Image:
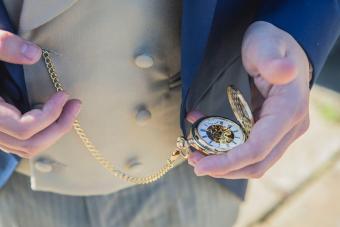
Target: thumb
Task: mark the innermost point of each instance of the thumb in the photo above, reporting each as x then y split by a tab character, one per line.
16	50
266	53
277	70
193	116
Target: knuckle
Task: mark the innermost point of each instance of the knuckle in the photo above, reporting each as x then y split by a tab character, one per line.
65	127
301	111
20	154
30	148
25	155
305	125
256	151
306	128
256	173
52	111
23	132
256	156
303	128
5	40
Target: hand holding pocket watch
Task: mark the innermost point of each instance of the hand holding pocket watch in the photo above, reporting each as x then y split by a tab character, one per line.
281	73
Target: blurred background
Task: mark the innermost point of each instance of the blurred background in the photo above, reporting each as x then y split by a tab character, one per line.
303	188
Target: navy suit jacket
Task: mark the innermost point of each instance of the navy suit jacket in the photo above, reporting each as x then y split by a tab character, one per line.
315	24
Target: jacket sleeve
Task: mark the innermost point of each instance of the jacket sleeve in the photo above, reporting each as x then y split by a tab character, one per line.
314	24
8	162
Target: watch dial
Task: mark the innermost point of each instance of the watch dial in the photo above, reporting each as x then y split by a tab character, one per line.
220	134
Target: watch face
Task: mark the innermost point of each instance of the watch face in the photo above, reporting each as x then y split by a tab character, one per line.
219	134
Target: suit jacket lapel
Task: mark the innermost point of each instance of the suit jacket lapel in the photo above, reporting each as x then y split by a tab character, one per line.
196	23
14	70
35	13
222	49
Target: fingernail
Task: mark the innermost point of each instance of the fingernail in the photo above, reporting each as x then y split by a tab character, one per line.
79	101
78	106
65	96
30	51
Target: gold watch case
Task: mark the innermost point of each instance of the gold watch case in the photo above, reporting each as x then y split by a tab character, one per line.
216	134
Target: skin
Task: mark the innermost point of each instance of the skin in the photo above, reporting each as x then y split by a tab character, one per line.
280	70
30	133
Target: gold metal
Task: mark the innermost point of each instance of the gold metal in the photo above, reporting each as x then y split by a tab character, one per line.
181	151
241	109
220	134
215	132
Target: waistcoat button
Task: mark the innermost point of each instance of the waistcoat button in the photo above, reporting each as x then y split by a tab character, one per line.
133	164
43	165
144	61
143	115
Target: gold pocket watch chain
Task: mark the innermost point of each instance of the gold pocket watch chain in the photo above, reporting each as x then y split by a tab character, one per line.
181	149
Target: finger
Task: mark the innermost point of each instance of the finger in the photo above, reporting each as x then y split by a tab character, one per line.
278	71
48	136
194	157
259	169
32	122
7	111
267	54
16	50
193	116
266	133
8	150
280	112
53	133
274	65
36	120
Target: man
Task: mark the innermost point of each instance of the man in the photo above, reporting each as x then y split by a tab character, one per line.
123	64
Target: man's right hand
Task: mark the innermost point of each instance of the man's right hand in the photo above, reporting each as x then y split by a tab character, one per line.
28	134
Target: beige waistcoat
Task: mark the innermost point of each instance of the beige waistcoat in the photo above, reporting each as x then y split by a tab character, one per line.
117	57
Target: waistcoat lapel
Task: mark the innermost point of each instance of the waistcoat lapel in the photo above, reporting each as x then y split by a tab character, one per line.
38	12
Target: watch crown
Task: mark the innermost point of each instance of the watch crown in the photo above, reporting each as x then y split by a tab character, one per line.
181	142
182	147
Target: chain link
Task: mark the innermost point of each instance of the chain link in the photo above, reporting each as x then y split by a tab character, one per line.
97	155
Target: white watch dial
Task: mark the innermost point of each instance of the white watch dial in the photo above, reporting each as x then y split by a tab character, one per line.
220	134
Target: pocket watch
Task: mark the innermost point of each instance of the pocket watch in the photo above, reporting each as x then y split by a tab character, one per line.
215	134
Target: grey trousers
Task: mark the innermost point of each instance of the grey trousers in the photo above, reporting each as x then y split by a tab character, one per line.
178	199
